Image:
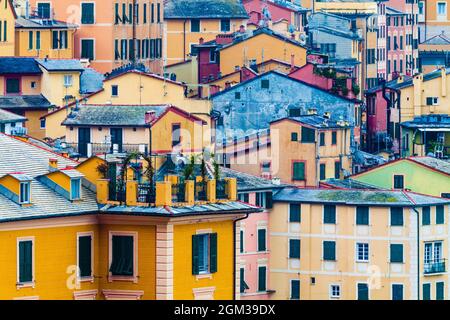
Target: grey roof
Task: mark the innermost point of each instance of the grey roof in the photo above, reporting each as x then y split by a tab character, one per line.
318	122
208	9
394	12
439	39
112	115
409	82
91	81
20	176
24	102
33	162
22	22
438	164
357	197
8	117
61	64
71	173
350	184
204	209
248	182
432	121
16	65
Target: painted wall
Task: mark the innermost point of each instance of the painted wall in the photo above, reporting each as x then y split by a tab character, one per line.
7	16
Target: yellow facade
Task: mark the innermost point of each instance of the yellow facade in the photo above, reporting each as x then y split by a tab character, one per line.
53	88
7	18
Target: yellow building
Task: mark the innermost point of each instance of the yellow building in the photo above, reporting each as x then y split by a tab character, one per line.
185	23
358	244
133	87
7	18
58	244
38	38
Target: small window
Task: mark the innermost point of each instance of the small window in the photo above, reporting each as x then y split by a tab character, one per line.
24	192
68	81
261	240
333	137
12	85
329	214
426	217
265	84
25	261
294	212
195	25
362	215
176	134
362	252
85	256
396	216
335	291
87	13
294	136
308	135
212	55
298	171
445	195
44	10
33	85
75	189
42	123
440	215
322	139
323	169
122	260
237	95
396	253
399	182
295	289
329	250
262	278
115	90
204	253
294	248
225	25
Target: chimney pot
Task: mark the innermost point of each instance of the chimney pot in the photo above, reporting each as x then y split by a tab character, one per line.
53	164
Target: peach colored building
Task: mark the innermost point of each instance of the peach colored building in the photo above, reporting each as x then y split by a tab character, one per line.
107	29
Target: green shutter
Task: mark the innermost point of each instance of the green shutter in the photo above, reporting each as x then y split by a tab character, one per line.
440	214
362	215
261	278
363	291
299	171
397	253
396	216
30	40
329	250
269	200
261	239
337	170
397	292
440	291
241	244
294	212
425	216
322	171
25	261
213	252
195	253
294	248
426	291
308	135
84	256
329	214
295	289
55	40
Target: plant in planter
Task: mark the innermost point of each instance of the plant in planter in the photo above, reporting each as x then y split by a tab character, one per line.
103	170
355	88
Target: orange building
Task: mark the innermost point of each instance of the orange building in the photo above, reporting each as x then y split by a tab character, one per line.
7	17
107	29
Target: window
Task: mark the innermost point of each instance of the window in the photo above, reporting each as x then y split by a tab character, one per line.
87	13
42	123
432	257
176	134
262	270
333	137
294	212
329	250
24	192
237	95
362	215
426	216
124	49
294	136
115	90
212	55
195	25
295	289
145	13
87	49
370	56
243	197
244	285
441	10
432	101
396	253
225	25
30	40
12	85
322	139
396	216
85	256
265	84
298	171
44	10
204	253
25	261
397	292
399	181
261	199
426	291
329	214
75	189
335	291
262	240
445	195
158	11
294	248
122	262
440	291
363	291
68	80
308	135
362	252
241	244
439	214
322	171
38	40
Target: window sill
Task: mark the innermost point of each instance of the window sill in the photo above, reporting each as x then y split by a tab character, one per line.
86	279
362	261
203	276
21	285
112	278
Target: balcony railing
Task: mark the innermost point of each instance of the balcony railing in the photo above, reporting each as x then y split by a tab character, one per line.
117	192
200	191
434	266
221	189
179	192
146	193
89	149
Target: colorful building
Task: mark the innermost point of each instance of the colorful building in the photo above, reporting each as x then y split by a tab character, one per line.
433	18
65	237
11	123
7	39
186	23
358	245
425	175
433	53
111	33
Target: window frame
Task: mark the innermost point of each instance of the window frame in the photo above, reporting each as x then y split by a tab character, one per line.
323	251
368	216
199	26
93	47
79	192
299	248
323	214
93	12
364	253
33	262
332	295
390	253
265	239
304	170
28	188
299	213
394	176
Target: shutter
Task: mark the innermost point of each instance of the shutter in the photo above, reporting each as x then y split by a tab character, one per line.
261	278
269	200
363	291
241	244
294	248
84	256
55	40
299	171
426	289
294	213
329	214
439	214
425	216
396	253
329	250
439	290
396	216
429	101
213	252
128	251
295	289
397	292
362	215
195	253
116	254
261	239
322	171
25	261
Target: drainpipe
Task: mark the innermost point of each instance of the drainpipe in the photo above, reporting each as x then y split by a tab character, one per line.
234	254
418	253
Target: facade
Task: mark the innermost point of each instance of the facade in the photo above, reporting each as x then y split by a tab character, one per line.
7	38
424	175
358	245
11	123
186	23
433	18
433	53
111	33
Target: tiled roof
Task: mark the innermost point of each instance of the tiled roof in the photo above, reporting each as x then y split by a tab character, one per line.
349	184
8	117
112	115
16	65
439	39
61	64
33	162
357	197
394	12
91	81
37	24
432	121
248	182
409	82
438	164
316	121
24	102
180	9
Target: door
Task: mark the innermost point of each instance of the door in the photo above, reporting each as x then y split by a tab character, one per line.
116	138
84	137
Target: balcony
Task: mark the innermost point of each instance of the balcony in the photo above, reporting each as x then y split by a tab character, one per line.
86	150
434	266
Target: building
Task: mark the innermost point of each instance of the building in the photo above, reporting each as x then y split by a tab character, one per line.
358	245
97	129
299	150
111	33
186	22
66	237
425	175
7	39
433	18
11	123
433	53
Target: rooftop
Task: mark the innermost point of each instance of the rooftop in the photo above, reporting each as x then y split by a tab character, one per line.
24	102
8	117
16	65
348	184
438	164
429	122
248	182
206	9
316	121
61	64
439	39
22	22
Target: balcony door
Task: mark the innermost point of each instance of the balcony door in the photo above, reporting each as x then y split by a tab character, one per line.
84	137
116	138
433	261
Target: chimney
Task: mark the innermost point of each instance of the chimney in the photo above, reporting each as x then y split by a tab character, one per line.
52	164
241	28
417	84
327	115
312	111
292	36
201	40
276	181
150	116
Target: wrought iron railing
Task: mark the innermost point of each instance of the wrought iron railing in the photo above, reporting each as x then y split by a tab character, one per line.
117	192
221	189
146	193
200	191
179	192
434	266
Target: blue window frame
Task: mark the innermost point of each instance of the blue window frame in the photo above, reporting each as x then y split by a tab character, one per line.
75	189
